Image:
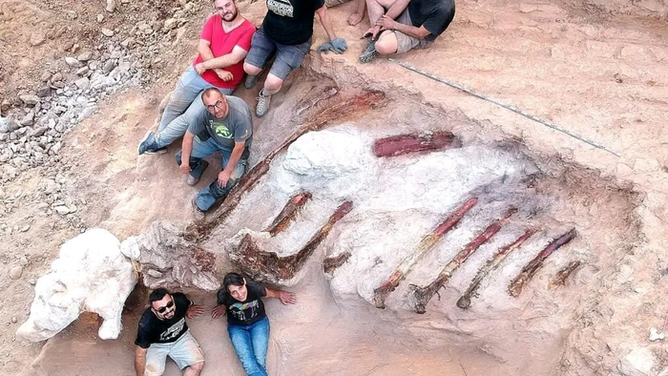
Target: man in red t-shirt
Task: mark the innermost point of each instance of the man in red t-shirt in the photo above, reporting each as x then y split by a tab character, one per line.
224	42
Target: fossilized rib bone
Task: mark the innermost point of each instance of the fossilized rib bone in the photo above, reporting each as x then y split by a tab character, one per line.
490	265
330	264
515	287
559	279
269	266
422	295
200	230
427	242
288	213
411	143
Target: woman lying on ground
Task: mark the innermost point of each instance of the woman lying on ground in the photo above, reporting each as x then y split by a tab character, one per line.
247	323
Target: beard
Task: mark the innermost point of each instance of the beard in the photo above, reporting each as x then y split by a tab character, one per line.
230	16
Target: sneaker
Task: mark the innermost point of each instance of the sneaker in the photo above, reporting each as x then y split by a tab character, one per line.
250	81
199	214
369	52
148	145
262	104
192	180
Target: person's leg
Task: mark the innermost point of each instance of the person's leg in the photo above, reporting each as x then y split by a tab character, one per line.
376	9
288	58
243	346
155	359
261	49
391	42
260	338
208	196
201	149
187	354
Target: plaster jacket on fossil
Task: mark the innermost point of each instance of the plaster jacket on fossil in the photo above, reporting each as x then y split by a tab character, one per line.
91	274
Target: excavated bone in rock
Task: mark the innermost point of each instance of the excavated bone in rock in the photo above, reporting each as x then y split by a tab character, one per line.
411	143
562	275
288	213
491	264
427	243
330	264
515	287
420	296
91	274
267	266
167	260
344	109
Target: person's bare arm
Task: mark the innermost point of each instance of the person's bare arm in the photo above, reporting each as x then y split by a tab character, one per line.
140	360
388	23
204	49
286	297
224	175
326	22
397	8
226	60
186	150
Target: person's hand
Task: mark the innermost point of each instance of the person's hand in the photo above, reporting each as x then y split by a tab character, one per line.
199	68
224	75
287	297
223	177
194	310
386	23
372	32
355	18
185	168
218	311
337	45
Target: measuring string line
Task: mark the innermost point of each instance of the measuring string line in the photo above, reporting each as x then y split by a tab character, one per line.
508	107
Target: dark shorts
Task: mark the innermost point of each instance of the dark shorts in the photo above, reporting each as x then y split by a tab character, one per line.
288	58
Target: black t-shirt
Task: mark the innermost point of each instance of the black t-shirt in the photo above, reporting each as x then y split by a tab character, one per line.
290	22
247	312
153	330
434	15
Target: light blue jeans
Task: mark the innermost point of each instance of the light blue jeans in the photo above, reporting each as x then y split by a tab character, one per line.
250	343
202	149
185	103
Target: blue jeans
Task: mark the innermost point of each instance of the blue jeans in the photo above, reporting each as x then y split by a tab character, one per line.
250	343
185	103
202	149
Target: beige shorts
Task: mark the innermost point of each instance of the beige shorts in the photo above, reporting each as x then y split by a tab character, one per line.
184	352
406	42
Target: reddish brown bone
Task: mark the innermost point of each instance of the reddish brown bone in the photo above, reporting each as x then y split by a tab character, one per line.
515	287
490	265
559	279
412	143
200	230
422	295
270	266
330	264
288	213
427	242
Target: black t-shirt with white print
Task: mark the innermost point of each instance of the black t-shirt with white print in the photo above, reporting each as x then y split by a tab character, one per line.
434	15
247	312
153	330
290	22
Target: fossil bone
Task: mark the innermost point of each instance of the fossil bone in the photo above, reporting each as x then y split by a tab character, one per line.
330	264
411	143
427	243
515	287
491	264
422	295
288	213
559	279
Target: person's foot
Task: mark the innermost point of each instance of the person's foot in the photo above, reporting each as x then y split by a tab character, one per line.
148	145
192	180
369	52
199	214
263	101
250	81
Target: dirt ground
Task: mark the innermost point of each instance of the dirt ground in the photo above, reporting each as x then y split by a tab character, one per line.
594	67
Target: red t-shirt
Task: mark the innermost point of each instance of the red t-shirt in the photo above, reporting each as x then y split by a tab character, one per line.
223	43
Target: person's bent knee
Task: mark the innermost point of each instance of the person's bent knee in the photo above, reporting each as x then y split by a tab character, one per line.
197	367
273	83
251	69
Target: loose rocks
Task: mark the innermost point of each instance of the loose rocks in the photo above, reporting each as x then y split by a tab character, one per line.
15	272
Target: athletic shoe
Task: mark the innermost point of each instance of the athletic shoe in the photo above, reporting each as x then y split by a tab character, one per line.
262	104
192	180
250	81
148	145
369	52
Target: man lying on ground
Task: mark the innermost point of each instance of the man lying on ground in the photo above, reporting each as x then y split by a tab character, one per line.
224	43
226	126
398	26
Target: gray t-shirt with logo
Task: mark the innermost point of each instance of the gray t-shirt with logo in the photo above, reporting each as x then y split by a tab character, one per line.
237	126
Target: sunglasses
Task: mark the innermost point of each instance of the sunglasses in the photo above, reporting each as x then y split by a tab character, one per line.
165	307
212	107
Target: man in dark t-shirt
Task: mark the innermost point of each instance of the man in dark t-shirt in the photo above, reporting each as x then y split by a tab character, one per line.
398	26
225	126
286	30
163	332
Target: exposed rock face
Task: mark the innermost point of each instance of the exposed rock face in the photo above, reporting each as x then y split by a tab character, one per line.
169	261
91	274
